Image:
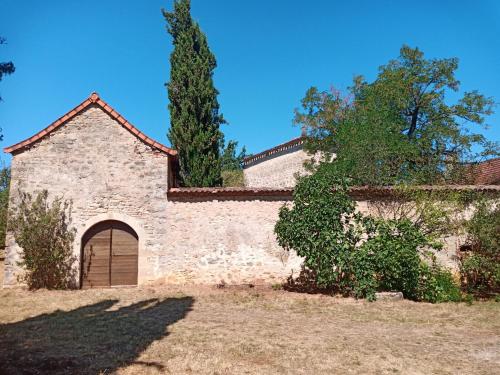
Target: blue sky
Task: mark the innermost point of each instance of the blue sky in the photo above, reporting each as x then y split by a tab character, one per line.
268	53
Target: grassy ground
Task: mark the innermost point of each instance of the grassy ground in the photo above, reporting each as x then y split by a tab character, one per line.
151	330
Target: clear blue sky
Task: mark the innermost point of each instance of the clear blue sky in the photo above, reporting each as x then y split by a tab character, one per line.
268	53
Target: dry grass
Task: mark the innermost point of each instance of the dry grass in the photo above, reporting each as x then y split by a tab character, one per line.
151	330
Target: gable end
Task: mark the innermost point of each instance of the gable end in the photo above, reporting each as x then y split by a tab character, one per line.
92	99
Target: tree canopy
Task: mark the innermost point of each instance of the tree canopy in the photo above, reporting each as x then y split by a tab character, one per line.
194	109
232	160
400	128
6	68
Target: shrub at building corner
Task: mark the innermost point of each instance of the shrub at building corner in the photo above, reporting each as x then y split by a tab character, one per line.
357	255
42	230
4	200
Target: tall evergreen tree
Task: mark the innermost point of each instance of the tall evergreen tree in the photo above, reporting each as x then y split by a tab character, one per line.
194	109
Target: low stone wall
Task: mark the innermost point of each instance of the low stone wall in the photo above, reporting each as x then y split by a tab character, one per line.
227	235
225	240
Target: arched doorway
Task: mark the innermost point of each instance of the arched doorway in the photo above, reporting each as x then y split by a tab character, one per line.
109	255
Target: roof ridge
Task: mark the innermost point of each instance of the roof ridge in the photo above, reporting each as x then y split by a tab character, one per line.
94	98
274	150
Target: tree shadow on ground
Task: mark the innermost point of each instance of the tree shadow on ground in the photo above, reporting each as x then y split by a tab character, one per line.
88	340
305	282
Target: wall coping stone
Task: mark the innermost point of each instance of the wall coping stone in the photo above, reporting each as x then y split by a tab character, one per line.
364	192
272	151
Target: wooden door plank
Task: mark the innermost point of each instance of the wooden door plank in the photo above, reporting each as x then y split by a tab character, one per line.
124	257
96	258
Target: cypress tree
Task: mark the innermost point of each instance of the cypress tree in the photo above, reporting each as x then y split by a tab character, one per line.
194	109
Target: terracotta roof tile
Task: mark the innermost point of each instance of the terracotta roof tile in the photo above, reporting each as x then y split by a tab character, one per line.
229	192
360	192
487	172
92	99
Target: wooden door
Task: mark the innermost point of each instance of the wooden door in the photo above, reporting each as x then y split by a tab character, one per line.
109	255
96	258
124	246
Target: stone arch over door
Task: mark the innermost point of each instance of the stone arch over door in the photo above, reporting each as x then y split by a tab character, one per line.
135	223
109	255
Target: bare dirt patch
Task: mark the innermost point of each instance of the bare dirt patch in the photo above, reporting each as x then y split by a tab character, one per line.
152	330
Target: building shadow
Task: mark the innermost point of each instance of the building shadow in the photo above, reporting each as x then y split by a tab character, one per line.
88	340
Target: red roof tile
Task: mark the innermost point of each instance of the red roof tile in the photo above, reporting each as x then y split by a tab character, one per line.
487	172
229	192
92	99
359	192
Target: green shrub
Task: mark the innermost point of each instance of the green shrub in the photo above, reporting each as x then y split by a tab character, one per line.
437	284
389	260
4	203
233	178
43	232
355	255
321	227
480	274
480	267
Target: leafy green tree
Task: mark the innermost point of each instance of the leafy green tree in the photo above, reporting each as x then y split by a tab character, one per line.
194	109
399	128
6	68
231	159
4	203
321	227
43	230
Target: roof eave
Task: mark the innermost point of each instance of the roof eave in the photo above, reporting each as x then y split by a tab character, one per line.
92	99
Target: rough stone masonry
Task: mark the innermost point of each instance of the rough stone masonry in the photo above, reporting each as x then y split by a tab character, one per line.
110	171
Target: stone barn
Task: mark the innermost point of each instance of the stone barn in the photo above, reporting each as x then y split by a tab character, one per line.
130	228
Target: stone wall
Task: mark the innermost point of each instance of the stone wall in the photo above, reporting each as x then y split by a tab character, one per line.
277	170
228	240
196	236
224	238
108	173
